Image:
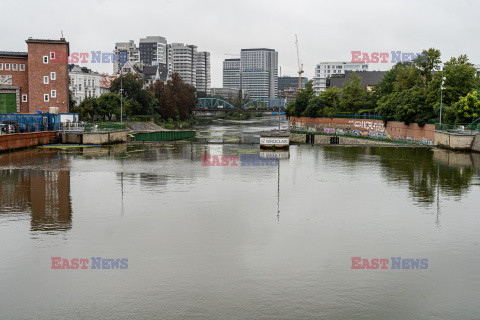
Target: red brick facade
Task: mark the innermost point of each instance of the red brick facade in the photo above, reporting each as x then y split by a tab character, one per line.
18	70
30	81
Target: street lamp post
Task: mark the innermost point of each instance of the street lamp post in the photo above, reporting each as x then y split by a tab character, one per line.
441	98
121	97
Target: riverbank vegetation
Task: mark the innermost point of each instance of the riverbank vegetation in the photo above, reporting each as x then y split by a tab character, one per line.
409	92
171	102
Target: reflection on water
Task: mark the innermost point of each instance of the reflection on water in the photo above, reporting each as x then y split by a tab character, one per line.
44	194
422	169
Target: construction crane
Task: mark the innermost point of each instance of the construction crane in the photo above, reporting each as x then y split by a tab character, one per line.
300	65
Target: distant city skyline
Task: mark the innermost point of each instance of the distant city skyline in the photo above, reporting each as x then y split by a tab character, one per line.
375	26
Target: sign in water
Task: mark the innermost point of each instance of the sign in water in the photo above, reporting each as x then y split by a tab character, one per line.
274	141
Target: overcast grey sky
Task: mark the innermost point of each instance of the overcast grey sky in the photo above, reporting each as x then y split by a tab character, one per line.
327	30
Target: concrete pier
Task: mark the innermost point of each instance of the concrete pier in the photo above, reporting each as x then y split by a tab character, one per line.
94	137
457	141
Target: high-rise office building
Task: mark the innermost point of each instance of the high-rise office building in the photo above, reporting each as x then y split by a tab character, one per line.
255	71
259	72
181	60
153	50
231	73
325	70
202	71
125	51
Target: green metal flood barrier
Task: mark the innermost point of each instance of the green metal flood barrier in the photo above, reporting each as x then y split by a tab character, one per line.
165	136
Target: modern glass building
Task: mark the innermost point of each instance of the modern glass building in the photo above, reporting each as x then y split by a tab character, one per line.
255	71
259	72
231	73
153	50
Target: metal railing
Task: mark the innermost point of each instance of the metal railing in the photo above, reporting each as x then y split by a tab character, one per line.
469	128
90	127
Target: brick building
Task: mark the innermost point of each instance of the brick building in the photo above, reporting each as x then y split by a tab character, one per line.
36	80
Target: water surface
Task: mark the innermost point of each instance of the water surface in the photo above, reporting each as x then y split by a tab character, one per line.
239	242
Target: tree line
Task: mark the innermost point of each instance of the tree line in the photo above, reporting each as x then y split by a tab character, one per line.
409	92
173	99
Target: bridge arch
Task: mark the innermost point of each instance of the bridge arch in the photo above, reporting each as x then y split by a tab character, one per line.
214	104
265	104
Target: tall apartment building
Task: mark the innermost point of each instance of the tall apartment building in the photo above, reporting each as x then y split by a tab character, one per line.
257	73
202	71
181	60
153	50
231	73
36	80
125	51
325	70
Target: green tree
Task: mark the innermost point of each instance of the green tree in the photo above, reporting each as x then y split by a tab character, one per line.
71	102
176	99
86	108
133	89
107	106
314	108
428	62
468	108
353	96
331	96
460	79
300	104
402	94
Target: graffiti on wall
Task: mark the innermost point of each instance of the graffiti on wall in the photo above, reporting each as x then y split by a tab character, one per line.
357	127
369	125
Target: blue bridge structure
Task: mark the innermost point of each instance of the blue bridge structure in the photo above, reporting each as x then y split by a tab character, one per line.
262	104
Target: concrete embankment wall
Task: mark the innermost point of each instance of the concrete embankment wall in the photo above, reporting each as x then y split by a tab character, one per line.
373	128
325	140
94	137
476	143
25	140
456	141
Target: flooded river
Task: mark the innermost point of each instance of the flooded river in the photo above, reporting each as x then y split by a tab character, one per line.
267	239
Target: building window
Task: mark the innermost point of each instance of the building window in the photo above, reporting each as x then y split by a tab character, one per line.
45	97
1	66
54	93
22	67
45	59
45	80
24	98
52	55
14	67
53	76
7	66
